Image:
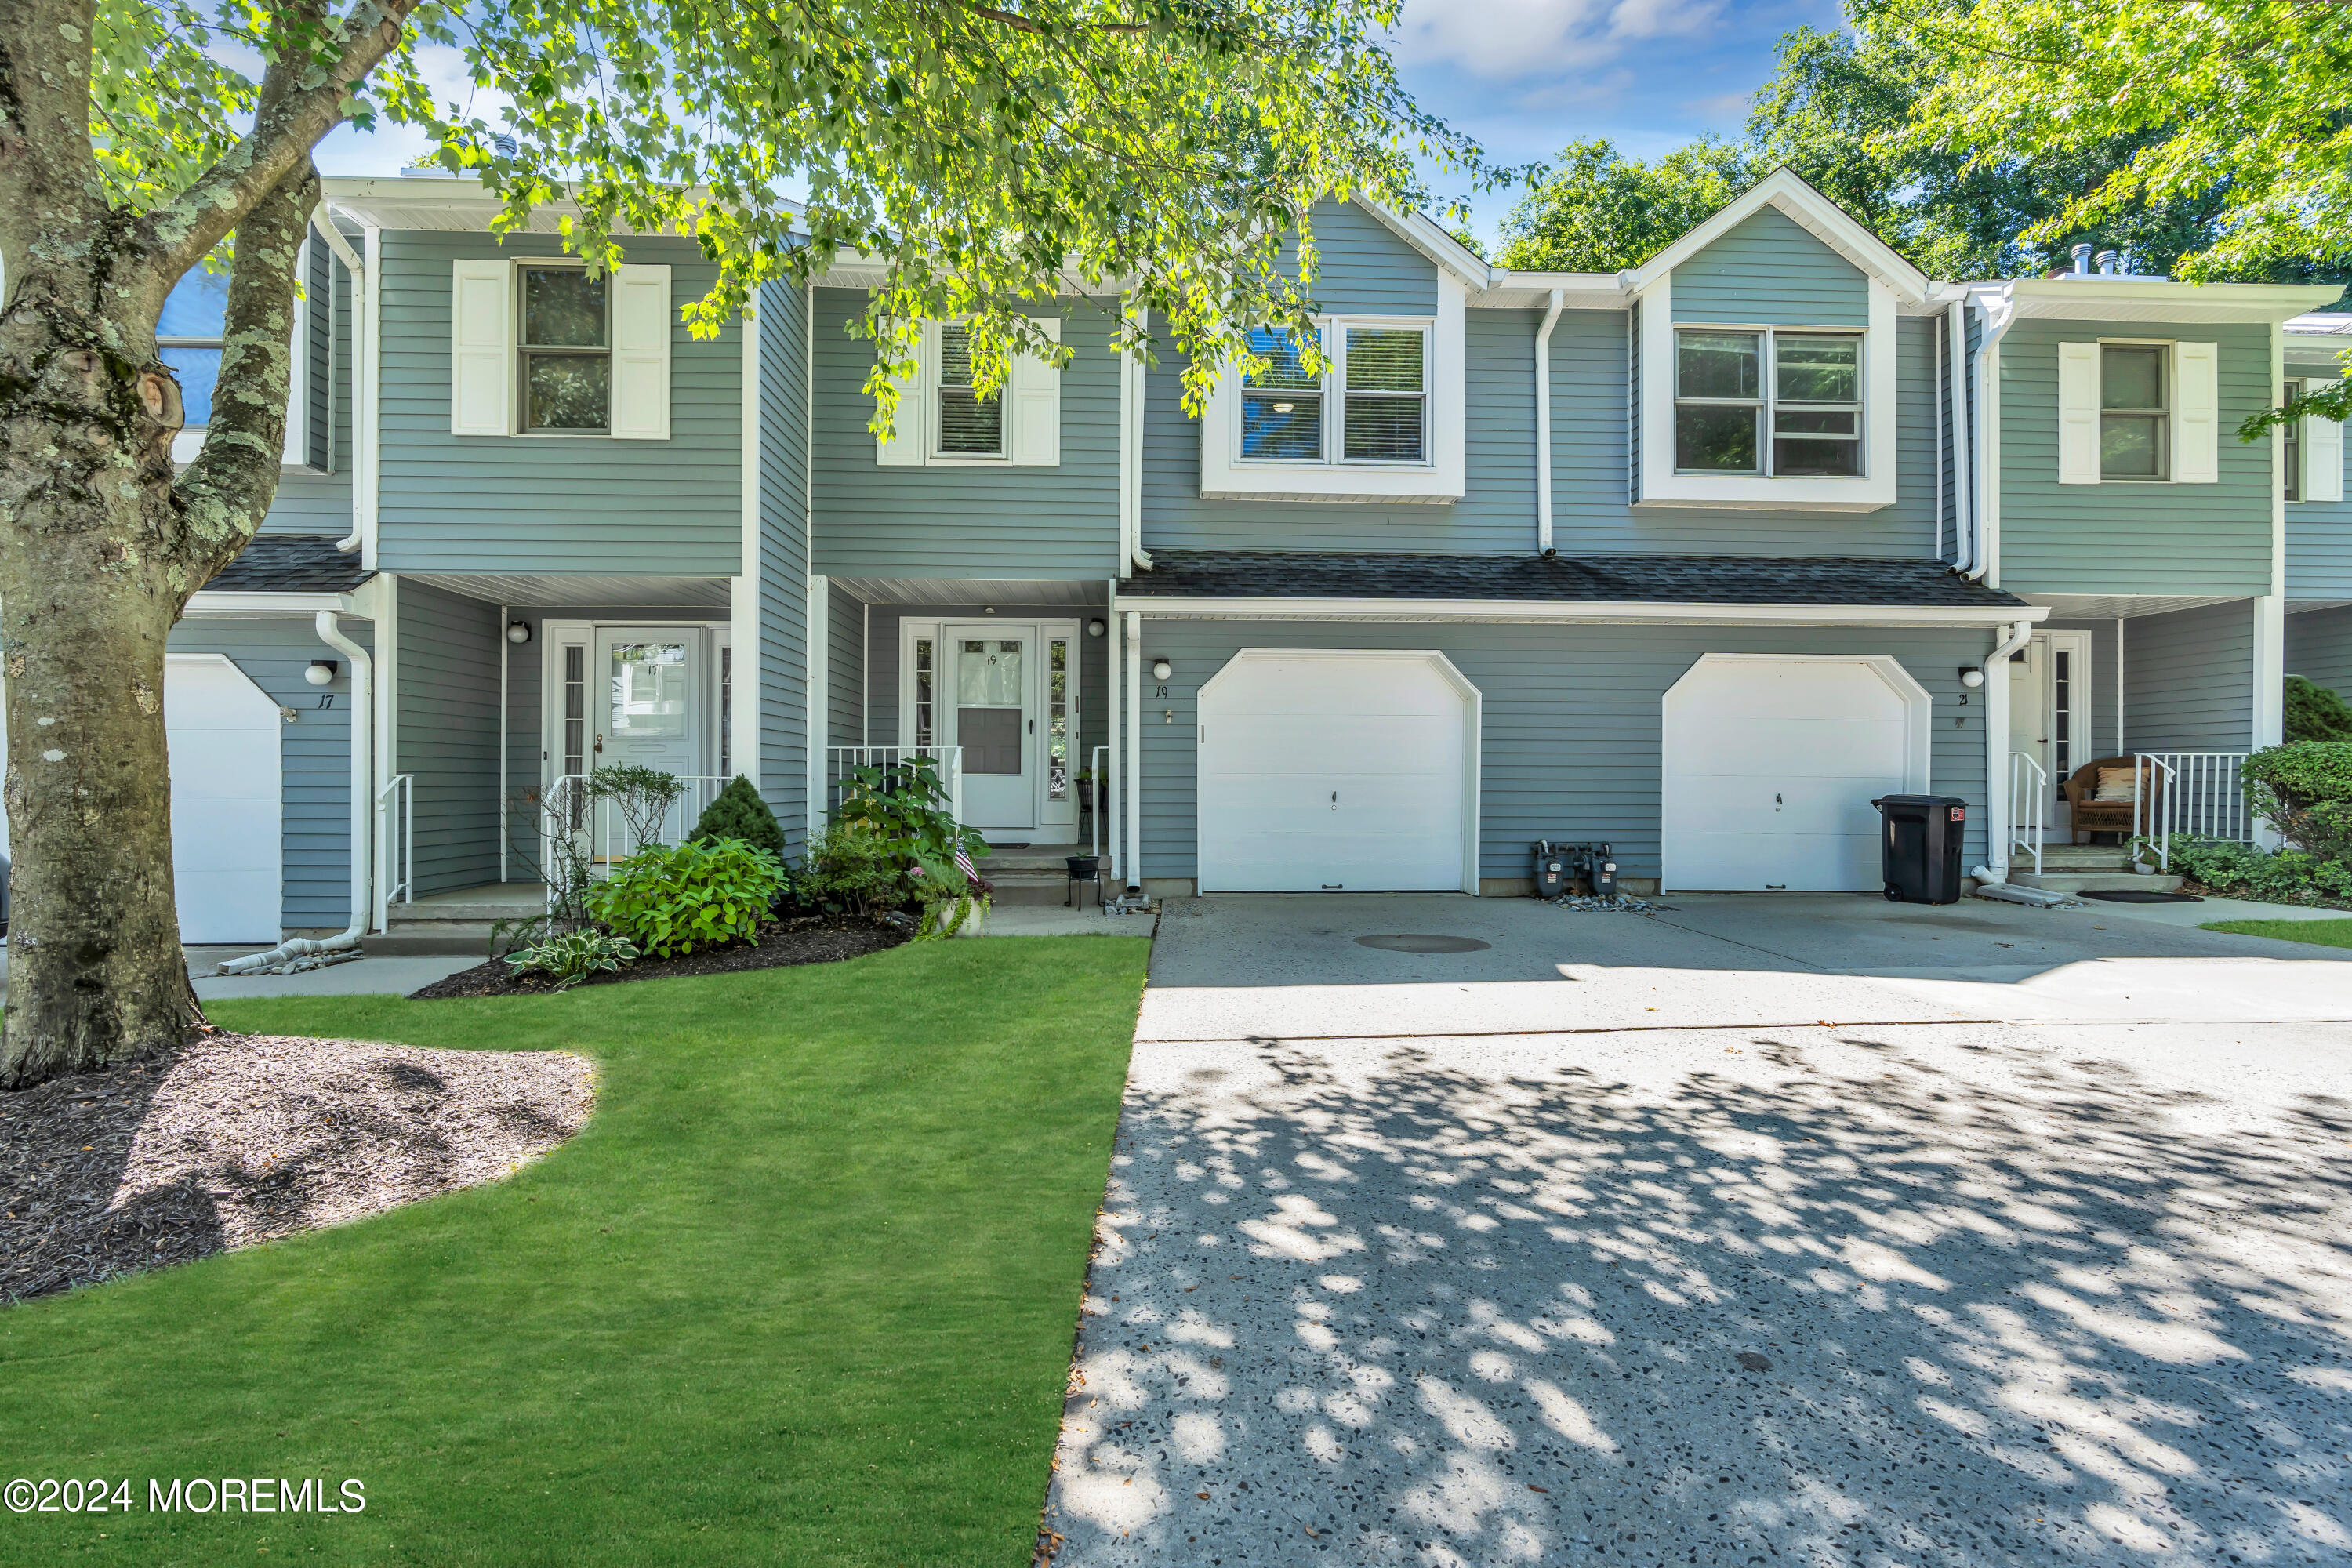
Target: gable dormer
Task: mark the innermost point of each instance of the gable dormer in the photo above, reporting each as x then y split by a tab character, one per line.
1763	349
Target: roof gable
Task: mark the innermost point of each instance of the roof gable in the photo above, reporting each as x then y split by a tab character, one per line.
1808	209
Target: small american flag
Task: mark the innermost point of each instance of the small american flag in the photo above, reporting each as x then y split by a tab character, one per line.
964	863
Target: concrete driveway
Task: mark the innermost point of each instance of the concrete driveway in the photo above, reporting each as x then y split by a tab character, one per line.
1771	1230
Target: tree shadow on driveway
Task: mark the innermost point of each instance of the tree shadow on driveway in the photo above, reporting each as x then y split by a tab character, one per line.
1813	1297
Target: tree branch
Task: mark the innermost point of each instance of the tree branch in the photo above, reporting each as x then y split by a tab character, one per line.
1022	24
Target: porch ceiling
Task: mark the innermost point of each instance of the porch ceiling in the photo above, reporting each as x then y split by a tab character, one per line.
2122	606
556	591
1053	593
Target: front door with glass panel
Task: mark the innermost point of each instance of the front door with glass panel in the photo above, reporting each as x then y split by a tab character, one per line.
990	675
647	697
2049	678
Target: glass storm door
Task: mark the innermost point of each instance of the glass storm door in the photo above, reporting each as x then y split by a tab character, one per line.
991	677
644	699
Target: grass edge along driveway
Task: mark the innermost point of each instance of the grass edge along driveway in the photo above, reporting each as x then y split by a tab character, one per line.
2319	934
802	1292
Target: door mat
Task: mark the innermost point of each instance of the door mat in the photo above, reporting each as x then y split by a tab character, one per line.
2134	896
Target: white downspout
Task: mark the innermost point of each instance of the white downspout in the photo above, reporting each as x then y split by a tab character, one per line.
1996	694
1543	423
1984	403
363	815
505	647
1113	758
1134	802
1132	390
1956	317
324	223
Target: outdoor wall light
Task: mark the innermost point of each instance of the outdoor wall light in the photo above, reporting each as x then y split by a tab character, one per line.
517	632
1161	669
1971	677
321	673
1095	627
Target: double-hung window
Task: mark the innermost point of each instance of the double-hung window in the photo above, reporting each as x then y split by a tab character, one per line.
566	349
969	425
1781	403
2291	465
1371	407
188	339
2134	411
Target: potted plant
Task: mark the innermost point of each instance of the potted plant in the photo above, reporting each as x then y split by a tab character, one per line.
2144	854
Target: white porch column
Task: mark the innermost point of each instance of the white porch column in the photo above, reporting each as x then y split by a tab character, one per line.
1135	751
1996	711
748	668
820	635
2270	688
1113	758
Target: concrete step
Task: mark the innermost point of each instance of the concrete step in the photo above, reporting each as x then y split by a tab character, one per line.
1036	858
2081	857
416	939
2093	881
1035	889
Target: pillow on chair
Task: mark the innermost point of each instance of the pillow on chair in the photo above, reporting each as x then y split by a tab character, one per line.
2115	785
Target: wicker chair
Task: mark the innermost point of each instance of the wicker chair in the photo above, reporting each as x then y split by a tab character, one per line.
2122	816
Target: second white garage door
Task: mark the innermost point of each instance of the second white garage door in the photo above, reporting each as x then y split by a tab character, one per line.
1770	764
1337	770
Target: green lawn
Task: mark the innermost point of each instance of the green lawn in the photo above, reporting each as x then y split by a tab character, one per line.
803	1292
2322	933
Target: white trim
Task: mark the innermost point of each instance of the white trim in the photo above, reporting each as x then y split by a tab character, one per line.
2082	647
1037	703
2120	747
1226	475
367	419
743	588
1811	210
1474	738
1114	758
1135	751
1874	490
819	694
2269	715
1558	611
230	602
2278	466
2109	297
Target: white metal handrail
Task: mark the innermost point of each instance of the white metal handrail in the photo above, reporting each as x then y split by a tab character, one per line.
2197	794
2029	804
1097	800
395	838
603	830
840	762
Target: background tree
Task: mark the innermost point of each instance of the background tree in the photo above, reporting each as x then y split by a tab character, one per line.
985	155
1597	210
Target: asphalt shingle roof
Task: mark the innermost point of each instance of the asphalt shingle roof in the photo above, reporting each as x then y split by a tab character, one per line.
1593	579
292	563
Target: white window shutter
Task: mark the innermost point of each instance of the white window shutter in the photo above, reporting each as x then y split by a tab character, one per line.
911	437
2323	454
298	383
2078	413
481	348
1033	405
2197	429
641	331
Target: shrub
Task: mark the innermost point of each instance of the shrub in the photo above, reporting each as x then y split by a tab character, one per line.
2303	789
2247	871
2316	713
906	807
567	960
672	899
643	794
852	868
738	812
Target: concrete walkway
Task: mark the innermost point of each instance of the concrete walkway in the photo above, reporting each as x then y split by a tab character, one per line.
1675	1273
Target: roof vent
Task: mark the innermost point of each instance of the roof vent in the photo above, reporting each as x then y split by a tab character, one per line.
2110	265
2082	260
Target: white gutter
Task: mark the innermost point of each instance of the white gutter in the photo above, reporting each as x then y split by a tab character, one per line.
363	845
1543	421
367	406
341	247
1134	791
1573	612
1984	406
1996	706
1956	318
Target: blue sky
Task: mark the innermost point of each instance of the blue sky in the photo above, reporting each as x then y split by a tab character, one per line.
1524	77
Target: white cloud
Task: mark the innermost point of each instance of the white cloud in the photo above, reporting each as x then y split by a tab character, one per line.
1508	39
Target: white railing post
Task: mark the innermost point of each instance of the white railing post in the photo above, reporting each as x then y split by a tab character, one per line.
396	840
2200	793
1096	799
2029	785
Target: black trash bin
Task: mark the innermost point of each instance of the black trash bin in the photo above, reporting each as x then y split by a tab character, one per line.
1920	844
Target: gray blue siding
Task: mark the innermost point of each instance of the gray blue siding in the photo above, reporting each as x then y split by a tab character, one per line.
1770	270
2319	648
447	734
2125	538
2319	538
2188	679
322	502
845	671
1571	715
315	753
1363	267
964	521
783	739
553	503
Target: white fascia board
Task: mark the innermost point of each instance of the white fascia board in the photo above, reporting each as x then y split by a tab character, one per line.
459	203
248	604
2099	298
1553	612
1828	222
1532	291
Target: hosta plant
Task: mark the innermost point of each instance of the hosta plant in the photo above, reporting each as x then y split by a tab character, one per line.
673	899
569	959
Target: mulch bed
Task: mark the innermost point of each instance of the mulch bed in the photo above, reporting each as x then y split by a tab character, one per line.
237	1138
811	938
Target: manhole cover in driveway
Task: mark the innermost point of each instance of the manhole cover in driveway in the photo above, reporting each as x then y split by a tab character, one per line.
1425	943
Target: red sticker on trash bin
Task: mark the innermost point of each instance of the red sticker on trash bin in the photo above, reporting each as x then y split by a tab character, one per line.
1959	814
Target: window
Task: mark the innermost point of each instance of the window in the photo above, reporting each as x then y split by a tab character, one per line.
924	658
188	339
1809	403
567	357
1058	719
2291	465
726	710
2062	721
1282	407
970	426
1382	377
2135	421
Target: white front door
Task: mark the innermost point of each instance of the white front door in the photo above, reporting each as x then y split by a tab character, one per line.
648	691
2049	712
992	678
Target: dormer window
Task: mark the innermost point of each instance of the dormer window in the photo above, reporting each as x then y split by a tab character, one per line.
1282	405
1378	388
1804	388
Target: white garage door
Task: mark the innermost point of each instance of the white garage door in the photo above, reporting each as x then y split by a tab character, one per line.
1336	771
227	853
1770	765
